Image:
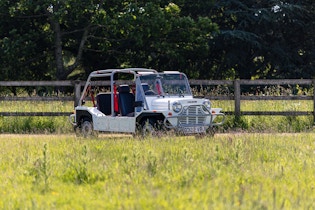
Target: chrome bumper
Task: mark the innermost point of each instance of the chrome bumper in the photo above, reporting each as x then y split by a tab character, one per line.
194	123
72	120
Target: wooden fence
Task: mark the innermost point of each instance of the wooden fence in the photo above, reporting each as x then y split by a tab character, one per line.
235	85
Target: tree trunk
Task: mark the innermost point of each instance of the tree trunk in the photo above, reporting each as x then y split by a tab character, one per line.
79	53
58	52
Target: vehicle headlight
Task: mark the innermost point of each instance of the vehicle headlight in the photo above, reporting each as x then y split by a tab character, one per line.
177	107
207	104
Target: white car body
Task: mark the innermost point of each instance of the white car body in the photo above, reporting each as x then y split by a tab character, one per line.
159	101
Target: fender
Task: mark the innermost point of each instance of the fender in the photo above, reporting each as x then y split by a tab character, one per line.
80	114
146	115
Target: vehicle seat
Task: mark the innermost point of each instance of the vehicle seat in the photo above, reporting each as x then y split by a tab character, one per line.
126	101
104	103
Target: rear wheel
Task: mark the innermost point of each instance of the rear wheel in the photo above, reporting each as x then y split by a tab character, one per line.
148	128
152	127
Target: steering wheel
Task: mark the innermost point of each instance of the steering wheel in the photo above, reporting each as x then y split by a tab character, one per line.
149	93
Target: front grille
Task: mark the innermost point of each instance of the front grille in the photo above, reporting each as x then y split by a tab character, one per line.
193	110
192	115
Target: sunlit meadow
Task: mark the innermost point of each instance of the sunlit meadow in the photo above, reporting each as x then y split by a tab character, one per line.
44	166
246	123
228	171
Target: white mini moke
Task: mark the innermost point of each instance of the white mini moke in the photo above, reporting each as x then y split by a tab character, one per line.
142	102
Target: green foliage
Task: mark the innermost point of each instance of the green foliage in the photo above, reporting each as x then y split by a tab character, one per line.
33	125
57	39
41	172
152	164
229	171
264	39
291	124
78	171
267	123
206	39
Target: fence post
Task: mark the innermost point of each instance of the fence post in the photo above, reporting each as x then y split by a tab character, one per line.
313	82
237	98
77	92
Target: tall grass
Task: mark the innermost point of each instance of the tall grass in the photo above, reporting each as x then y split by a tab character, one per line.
229	171
265	123
35	124
247	123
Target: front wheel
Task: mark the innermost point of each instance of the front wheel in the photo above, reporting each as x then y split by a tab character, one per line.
210	131
86	129
209	134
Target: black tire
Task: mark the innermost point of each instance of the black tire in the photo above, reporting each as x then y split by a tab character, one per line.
200	136
210	132
86	128
148	128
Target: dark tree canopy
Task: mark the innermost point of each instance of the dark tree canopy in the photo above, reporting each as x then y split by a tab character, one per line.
265	39
51	39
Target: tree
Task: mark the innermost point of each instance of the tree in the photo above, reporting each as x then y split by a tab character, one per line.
71	22
264	39
164	37
44	38
51	39
71	35
24	48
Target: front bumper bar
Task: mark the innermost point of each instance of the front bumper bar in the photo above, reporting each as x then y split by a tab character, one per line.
194	128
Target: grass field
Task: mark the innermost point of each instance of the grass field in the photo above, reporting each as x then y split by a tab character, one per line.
61	125
228	171
35	124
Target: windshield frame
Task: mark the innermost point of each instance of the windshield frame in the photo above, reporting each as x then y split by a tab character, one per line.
165	84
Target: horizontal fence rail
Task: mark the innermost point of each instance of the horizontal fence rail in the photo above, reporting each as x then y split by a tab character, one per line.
34	114
235	95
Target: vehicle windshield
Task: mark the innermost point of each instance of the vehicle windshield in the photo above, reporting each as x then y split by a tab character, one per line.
165	84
